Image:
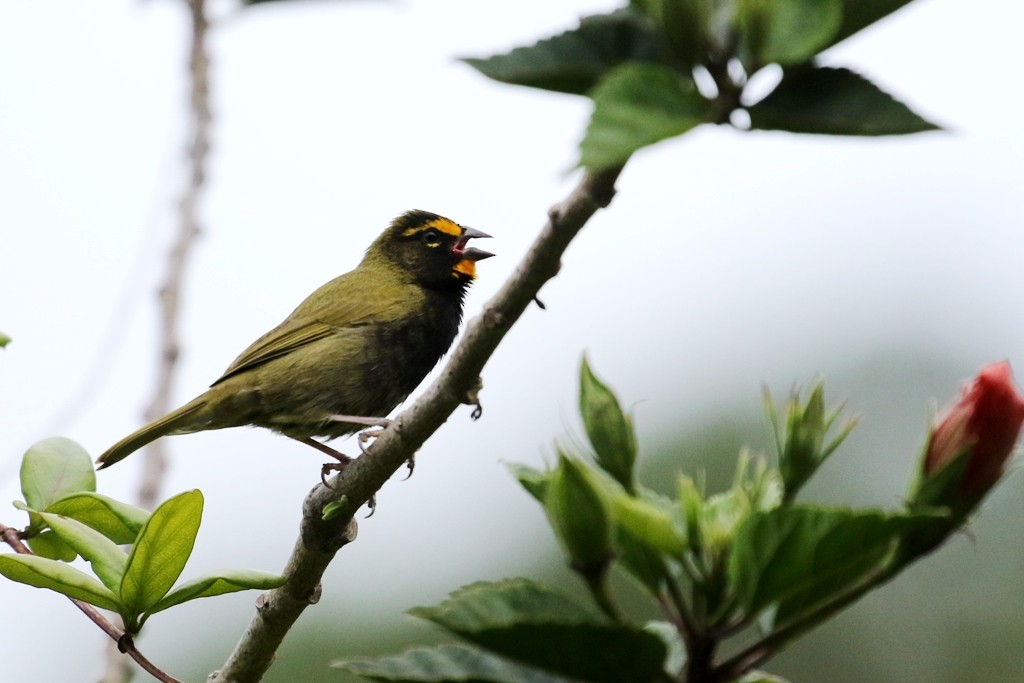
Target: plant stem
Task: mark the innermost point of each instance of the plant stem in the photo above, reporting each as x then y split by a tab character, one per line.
598	585
12	538
776	641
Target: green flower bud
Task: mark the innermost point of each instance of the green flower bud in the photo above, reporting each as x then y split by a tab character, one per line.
580	517
609	429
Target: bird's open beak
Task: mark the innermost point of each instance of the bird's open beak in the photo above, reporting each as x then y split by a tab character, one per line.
472	253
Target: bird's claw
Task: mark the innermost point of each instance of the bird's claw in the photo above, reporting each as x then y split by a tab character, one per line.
368	435
411	464
472	398
329	467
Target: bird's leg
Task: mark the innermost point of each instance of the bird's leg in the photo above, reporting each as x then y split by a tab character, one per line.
342	459
381	422
365	436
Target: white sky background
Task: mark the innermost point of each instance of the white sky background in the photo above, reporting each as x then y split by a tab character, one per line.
725	261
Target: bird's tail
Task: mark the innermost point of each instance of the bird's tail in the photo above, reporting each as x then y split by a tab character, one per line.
178	420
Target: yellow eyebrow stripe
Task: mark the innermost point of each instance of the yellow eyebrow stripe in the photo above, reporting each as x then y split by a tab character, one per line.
440	224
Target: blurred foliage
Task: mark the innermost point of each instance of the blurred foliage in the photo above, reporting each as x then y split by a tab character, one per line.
898	634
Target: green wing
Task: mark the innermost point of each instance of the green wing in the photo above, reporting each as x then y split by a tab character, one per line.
281	340
339	304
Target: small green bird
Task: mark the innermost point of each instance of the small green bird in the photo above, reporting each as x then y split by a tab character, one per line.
356	347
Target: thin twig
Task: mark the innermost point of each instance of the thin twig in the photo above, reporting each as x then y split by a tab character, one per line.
319	540
13	539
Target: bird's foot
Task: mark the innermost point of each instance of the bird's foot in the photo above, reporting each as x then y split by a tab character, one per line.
472	398
329	467
368	435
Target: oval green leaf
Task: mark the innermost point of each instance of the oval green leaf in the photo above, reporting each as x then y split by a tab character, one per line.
227	581
54	468
106	557
800	555
43	572
48	544
161	551
120	522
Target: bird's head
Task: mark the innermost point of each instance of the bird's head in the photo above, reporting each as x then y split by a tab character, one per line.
432	249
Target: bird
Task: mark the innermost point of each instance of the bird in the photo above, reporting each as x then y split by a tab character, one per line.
354	349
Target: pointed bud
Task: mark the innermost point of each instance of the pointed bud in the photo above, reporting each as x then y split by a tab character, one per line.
609	429
580	517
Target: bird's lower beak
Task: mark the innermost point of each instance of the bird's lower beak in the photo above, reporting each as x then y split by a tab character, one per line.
472	253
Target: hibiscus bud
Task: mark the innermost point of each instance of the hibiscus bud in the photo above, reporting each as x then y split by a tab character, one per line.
972	440
580	517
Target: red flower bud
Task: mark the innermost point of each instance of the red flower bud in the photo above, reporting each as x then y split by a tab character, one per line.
986	420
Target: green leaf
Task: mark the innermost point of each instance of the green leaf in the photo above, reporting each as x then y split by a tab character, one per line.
829	101
859	14
161	551
106	557
54	468
785	31
446	664
539	627
120	522
4	340
333	509
609	429
637	105
533	480
652	522
574	61
801	555
219	583
499	604
681	22
48	544
43	572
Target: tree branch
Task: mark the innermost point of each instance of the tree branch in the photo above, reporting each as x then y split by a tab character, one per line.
154	462
200	118
320	539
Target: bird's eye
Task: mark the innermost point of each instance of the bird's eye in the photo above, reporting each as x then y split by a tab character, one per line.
432	238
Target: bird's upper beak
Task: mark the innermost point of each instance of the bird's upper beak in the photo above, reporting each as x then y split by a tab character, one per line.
471	253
